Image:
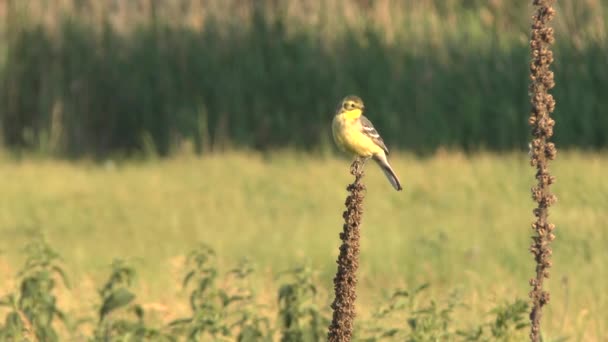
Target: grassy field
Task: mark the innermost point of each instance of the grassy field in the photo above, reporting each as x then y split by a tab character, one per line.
462	223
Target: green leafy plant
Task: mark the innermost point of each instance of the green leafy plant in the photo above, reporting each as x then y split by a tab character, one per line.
252	326
509	318
300	318
224	308
220	313
33	307
427	323
377	328
434	321
120	319
509	322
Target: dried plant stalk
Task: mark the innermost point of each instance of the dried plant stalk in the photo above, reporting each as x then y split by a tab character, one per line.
345	282
541	151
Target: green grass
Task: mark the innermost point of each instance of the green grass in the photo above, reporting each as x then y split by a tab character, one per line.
462	223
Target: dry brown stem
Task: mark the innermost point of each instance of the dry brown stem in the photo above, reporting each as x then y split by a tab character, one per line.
541	151
345	282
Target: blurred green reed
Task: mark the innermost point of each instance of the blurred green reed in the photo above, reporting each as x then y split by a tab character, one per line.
81	77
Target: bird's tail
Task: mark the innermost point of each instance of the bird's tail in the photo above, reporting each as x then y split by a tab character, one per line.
388	171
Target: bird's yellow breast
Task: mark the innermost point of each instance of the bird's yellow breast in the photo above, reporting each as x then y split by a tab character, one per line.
347	132
352	114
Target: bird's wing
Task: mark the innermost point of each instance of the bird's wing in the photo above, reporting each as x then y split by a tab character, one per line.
368	129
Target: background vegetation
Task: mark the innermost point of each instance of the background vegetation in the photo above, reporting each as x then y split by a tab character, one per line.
461	225
445	259
100	77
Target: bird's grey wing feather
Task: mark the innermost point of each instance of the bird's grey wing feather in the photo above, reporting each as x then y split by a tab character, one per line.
368	129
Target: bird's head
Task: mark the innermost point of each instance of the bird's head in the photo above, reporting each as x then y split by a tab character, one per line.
351	106
352	102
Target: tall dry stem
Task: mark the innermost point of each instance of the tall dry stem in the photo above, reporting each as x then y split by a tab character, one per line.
345	282
541	151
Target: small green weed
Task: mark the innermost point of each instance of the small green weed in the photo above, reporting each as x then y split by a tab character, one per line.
300	318
220	313
434	321
120	317
33	307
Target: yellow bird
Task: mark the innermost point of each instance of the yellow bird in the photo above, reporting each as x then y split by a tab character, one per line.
354	133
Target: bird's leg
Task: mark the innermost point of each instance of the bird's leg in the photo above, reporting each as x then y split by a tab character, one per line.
358	164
